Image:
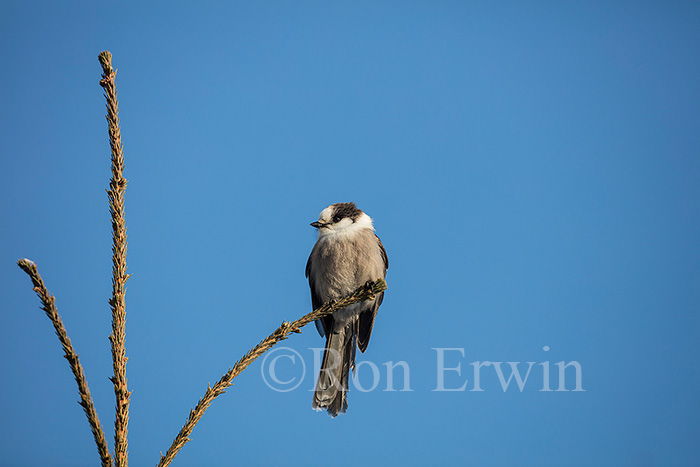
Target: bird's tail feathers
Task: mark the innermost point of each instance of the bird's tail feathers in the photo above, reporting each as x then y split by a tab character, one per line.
338	358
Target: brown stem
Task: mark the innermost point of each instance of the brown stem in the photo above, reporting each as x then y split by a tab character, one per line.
117	186
48	302
366	291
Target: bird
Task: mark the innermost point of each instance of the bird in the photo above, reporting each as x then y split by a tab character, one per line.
347	254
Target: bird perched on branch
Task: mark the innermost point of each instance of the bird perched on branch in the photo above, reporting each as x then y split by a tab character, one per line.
346	255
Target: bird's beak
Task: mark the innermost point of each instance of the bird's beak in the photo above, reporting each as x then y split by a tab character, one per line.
317	224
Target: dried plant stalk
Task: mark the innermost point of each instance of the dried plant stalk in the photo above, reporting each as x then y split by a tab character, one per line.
117	186
48	302
366	291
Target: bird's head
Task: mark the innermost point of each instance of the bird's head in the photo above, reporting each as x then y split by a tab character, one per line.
342	218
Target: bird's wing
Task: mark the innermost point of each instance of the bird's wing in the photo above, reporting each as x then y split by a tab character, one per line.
366	322
384	256
323	325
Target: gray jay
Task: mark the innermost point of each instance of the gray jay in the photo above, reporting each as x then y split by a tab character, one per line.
346	255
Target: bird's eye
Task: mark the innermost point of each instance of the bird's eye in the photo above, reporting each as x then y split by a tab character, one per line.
337	219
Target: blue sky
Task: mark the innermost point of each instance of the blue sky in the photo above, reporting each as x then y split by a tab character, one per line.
532	168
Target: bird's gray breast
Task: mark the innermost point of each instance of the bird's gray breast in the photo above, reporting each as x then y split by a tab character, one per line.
341	264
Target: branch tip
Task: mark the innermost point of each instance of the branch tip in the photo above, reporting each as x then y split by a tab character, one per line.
105	58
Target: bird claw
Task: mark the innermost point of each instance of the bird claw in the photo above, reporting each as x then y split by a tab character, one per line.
369	285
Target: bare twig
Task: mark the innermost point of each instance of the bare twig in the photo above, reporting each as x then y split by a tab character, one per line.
366	291
48	302
117	186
